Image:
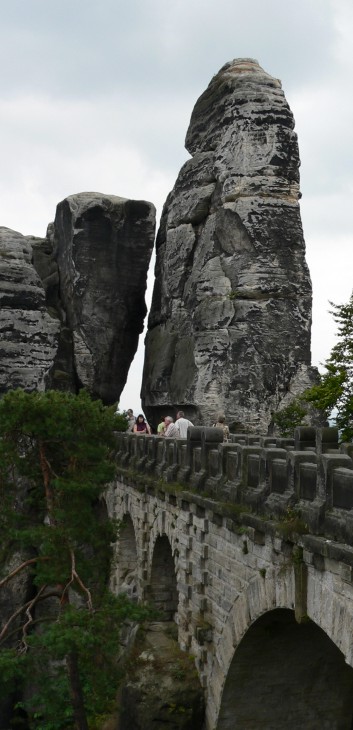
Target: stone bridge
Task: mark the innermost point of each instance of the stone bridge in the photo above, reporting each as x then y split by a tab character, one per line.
248	546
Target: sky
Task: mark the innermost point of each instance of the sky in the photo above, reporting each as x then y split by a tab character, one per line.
97	96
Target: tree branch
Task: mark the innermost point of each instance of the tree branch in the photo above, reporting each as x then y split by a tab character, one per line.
22	608
21	567
75	576
30	618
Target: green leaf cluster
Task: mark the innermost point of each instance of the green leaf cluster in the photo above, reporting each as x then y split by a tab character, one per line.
335	391
288	418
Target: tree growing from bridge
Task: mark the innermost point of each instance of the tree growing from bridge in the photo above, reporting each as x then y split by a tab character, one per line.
288	418
62	641
335	391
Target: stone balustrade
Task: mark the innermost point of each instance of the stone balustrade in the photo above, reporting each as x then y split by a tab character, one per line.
310	475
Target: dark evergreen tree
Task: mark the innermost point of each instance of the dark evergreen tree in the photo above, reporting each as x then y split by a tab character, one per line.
58	449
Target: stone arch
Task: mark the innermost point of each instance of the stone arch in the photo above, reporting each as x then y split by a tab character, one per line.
330	606
163	593
287	675
126	560
260	596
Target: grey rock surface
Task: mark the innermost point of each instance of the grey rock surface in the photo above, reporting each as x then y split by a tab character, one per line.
162	688
103	246
229	327
72	304
28	331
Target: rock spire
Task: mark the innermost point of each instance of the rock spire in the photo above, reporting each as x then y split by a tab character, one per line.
229	327
103	245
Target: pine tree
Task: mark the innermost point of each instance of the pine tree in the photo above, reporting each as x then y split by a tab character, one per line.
335	390
57	450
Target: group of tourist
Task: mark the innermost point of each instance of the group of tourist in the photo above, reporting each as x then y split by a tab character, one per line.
137	425
171	430
168	428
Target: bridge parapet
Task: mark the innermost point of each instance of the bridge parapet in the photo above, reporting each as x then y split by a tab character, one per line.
310	474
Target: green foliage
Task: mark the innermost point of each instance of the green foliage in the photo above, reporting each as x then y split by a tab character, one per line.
335	390
56	458
292	524
94	637
12	670
62	447
287	419
245	548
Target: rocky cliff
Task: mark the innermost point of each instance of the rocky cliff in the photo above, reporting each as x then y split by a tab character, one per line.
72	304
103	247
29	333
229	327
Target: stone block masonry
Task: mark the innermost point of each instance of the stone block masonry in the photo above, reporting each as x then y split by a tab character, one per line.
280	479
229	562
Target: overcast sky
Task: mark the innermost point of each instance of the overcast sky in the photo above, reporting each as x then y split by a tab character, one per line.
97	95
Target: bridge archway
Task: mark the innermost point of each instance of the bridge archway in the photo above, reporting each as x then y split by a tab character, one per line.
126	569
163	593
283	676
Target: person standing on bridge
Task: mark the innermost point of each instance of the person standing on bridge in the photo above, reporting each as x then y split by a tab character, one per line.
130	419
161	427
171	431
182	424
221	424
141	426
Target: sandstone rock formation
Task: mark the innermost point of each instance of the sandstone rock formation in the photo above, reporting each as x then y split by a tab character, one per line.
229	327
103	246
29	334
72	304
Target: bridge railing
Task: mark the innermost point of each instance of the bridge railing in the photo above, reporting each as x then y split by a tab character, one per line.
310	475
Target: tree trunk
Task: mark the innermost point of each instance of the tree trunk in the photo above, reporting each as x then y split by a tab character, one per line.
76	692
77	699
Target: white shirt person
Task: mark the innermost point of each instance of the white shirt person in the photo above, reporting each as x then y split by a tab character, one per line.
182	424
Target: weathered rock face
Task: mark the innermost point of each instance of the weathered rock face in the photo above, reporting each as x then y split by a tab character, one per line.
72	304
29	333
103	247
229	327
162	688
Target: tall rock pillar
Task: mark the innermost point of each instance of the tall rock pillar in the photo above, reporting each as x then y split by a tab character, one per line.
103	246
229	327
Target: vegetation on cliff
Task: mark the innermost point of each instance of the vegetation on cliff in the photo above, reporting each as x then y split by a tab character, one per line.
335	391
61	643
288	418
